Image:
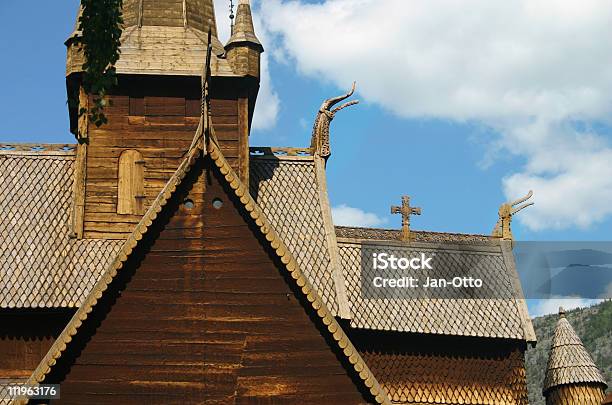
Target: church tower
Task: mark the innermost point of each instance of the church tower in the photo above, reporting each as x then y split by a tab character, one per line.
571	375
154	110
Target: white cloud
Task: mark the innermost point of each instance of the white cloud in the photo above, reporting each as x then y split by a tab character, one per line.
551	306
529	69
344	215
268	103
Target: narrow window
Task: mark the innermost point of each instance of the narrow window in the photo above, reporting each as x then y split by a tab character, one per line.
131	183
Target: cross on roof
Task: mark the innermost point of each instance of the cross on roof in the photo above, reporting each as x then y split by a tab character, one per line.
406	211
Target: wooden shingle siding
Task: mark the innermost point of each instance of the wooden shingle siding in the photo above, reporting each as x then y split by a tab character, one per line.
419	368
583	394
202	314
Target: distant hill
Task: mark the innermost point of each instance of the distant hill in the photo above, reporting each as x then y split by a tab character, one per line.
579	280
593	325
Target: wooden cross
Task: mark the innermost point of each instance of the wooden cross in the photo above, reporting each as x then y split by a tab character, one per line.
406	210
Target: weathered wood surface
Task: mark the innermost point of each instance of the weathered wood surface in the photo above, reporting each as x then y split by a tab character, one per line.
131	183
162	132
206	316
419	368
583	394
78	204
25	337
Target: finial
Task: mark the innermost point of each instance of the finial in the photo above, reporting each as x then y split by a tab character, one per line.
231	10
406	211
561	312
320	133
506	211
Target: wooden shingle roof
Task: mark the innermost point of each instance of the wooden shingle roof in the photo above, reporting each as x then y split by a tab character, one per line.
289	191
40	265
159	51
290	187
503	315
243	31
198	14
162	37
291	266
568	361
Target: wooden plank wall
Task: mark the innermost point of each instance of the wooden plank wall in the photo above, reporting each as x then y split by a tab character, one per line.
225	121
25	337
205	317
160	130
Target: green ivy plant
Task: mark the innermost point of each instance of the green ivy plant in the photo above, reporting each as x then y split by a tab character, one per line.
100	25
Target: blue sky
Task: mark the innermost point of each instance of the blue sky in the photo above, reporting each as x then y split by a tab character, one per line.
448	141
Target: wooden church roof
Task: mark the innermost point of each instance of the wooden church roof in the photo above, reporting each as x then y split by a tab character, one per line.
568	361
290	189
291	265
503	315
40	265
163	37
289	185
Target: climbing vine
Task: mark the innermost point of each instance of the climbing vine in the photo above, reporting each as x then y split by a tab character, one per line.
100	25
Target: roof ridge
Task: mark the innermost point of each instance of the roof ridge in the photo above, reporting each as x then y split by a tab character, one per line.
37	149
417	231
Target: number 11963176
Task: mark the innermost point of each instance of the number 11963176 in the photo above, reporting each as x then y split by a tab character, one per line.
51	391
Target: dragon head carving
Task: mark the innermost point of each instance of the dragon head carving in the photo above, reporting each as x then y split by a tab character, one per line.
320	133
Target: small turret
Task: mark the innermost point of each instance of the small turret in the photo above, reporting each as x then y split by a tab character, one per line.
243	48
571	375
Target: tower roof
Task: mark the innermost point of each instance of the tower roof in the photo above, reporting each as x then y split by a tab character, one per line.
163	37
569	362
197	14
243	30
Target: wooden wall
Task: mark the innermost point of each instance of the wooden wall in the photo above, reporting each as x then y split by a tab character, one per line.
25	338
205	316
434	369
157	117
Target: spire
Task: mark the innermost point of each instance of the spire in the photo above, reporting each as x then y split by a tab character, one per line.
243	48
243	31
569	364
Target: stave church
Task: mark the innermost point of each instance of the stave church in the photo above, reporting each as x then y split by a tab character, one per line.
162	259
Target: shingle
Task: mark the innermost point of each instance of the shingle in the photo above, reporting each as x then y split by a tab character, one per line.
160	50
568	361
288	193
40	266
431	377
496	317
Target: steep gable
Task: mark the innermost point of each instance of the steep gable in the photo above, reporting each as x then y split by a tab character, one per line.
230	288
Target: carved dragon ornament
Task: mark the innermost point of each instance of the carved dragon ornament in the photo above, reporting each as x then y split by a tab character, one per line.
320	134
